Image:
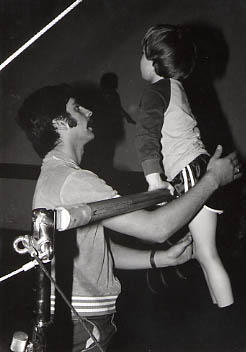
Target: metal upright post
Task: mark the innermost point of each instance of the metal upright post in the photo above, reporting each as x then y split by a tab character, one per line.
43	229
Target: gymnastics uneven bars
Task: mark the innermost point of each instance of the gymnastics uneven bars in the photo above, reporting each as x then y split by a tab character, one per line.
82	214
39	34
41	243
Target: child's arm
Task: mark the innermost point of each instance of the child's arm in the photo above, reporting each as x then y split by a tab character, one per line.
153	105
148	132
155	181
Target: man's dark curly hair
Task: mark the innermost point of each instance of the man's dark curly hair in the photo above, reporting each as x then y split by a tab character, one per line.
38	112
171	49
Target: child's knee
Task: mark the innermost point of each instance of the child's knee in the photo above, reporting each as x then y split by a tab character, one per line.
206	257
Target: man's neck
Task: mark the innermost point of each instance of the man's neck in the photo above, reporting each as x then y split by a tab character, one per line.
72	153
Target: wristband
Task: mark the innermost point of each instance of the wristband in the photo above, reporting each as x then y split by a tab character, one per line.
152	259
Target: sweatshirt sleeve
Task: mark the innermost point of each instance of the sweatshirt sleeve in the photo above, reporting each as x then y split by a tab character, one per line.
83	186
153	104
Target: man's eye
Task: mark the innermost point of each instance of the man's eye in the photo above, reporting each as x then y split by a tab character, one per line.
77	107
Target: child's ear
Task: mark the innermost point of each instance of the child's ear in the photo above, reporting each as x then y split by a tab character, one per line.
60	124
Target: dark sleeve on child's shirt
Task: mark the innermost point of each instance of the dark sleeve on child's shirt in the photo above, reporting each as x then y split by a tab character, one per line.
153	104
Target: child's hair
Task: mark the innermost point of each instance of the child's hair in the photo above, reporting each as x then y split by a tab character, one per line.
38	112
171	49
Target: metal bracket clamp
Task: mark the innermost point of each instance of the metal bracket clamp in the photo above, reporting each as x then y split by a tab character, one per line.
41	243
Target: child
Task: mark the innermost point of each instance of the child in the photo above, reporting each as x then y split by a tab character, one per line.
168	140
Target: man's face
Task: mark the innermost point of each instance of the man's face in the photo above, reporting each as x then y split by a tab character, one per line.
82	116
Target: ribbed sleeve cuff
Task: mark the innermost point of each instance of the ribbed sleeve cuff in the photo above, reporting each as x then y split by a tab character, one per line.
151	166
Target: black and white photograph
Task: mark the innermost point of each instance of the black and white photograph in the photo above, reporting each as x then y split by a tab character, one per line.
122	176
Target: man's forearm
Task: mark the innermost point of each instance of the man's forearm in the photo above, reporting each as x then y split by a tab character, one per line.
160	224
128	258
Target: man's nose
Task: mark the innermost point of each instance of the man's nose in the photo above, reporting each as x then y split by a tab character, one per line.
86	112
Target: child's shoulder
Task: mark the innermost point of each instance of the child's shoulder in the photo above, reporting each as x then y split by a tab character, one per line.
160	89
162	84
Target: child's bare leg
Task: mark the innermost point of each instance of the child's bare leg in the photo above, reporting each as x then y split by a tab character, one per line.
203	230
209	286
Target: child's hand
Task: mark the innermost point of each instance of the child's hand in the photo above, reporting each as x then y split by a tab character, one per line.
155	182
162	185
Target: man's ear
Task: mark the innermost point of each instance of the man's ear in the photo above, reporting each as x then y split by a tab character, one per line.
60	124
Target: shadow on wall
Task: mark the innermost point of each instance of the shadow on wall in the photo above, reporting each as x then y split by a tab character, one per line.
212	59
107	122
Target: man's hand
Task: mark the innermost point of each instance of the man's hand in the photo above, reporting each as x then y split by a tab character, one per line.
224	170
179	253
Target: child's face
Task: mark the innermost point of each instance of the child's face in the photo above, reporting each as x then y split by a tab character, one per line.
146	68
